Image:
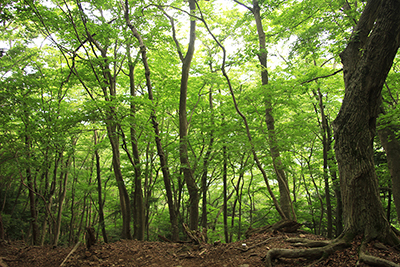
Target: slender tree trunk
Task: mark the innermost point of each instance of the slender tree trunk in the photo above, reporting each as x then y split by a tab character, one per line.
99	189
123	193
366	62
49	196
163	161
2	232
206	161
62	193
32	202
336	186
392	148
183	127
324	126
225	193
138	205
284	192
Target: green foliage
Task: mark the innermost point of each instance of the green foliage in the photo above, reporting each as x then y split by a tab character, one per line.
55	94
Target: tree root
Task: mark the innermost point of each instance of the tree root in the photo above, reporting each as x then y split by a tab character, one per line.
316	253
372	260
320	250
301	242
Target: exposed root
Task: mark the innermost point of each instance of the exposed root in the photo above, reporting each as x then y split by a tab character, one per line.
316	253
321	250
301	242
372	260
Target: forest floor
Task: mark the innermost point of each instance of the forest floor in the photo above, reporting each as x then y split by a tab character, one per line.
163	254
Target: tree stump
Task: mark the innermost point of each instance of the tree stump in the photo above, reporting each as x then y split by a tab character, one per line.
90	237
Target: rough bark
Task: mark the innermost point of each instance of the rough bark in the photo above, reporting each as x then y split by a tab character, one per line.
366	62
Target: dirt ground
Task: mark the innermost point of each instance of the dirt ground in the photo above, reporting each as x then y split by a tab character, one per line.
163	254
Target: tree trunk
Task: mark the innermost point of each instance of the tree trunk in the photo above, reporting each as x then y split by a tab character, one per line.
163	161
123	193
392	148
183	127
206	161
99	189
138	205
366	62
324	126
32	202
284	192
336	186
61	196
225	193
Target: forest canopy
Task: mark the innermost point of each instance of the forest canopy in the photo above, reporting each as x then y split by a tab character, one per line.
136	117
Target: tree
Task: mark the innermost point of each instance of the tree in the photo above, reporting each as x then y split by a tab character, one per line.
366	60
183	125
284	197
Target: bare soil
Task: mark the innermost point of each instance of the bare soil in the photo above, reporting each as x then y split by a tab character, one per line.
163	254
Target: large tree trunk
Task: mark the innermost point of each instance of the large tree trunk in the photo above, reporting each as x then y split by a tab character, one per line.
366	63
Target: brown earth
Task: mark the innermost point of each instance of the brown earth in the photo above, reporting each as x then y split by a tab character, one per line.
163	254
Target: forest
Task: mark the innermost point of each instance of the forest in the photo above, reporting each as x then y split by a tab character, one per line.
138	118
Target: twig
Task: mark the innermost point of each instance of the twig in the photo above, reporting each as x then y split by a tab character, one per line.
72	251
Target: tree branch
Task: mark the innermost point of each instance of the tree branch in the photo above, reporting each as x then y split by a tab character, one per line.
321	77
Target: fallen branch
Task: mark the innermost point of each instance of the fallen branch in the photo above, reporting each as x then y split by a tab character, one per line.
72	251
